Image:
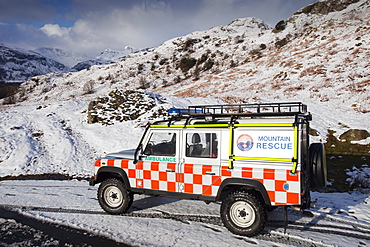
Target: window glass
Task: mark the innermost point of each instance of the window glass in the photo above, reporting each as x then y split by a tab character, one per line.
161	144
204	145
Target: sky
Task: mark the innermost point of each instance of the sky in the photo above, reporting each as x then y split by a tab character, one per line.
91	26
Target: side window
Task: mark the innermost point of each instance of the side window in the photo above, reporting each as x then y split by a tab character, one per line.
203	145
161	144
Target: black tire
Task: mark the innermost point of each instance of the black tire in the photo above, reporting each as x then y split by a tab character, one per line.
113	196
318	176
243	214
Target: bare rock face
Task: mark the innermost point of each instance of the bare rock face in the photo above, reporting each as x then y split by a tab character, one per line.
354	135
325	7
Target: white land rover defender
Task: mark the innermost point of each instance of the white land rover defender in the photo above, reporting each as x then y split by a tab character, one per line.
249	157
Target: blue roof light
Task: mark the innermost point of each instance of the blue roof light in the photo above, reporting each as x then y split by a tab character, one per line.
176	111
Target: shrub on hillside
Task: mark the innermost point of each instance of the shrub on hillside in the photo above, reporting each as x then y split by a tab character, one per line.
186	64
281	43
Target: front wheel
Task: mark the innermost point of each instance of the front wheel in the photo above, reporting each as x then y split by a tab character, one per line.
243	214
113	196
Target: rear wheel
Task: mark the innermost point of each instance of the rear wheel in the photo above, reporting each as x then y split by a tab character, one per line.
113	196
318	176
243	214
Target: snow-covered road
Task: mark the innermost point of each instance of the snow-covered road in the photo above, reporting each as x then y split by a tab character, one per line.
340	219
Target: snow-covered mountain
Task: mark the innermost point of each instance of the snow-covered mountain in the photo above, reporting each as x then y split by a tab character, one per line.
17	65
106	57
68	58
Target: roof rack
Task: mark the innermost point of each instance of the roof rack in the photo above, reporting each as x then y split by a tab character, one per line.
245	109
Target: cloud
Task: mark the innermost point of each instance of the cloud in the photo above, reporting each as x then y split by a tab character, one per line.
54	29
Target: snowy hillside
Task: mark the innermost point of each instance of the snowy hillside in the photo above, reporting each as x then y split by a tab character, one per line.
106	57
318	56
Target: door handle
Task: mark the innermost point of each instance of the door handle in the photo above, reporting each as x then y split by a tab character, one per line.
210	173
170	170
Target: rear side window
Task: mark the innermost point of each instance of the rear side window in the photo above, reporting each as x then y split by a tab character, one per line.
202	145
161	144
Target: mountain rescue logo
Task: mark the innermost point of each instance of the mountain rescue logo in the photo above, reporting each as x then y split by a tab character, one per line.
244	142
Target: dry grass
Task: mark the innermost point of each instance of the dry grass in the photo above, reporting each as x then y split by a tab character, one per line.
255	87
277	85
319	48
358	87
337	71
232	99
290	63
313	70
295	88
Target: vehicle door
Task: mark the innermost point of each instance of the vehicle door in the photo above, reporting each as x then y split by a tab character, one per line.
200	162
159	160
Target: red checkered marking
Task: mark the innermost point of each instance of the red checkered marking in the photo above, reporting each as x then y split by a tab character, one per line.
283	188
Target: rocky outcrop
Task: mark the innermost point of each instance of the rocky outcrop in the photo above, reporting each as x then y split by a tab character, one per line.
127	105
325	7
354	135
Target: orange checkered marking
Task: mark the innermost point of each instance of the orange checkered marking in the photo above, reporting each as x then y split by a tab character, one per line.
110	163
157	176
206	168
292	177
293	198
279	185
271	195
171	166
269	174
97	163
124	164
247	172
189	178
282	187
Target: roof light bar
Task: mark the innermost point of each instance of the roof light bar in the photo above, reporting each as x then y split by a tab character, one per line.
177	111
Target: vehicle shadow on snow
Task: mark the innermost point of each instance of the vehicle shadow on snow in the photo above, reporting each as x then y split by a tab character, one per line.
150	202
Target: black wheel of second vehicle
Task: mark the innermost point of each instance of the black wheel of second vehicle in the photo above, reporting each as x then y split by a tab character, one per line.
243	214
113	196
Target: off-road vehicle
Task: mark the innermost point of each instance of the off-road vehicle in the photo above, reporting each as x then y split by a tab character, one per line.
249	157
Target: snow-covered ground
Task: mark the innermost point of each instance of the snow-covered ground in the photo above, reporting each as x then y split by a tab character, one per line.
55	137
340	219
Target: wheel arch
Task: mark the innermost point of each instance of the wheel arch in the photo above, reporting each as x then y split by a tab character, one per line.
254	186
106	172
